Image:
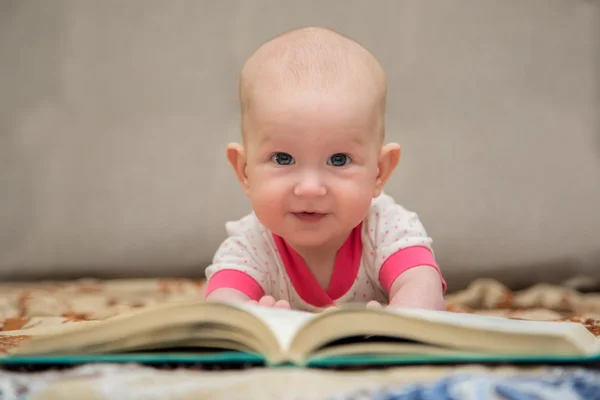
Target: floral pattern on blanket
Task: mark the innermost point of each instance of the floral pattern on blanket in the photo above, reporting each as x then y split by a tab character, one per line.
27	305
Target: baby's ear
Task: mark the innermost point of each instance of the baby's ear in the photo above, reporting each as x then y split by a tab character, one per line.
388	160
237	159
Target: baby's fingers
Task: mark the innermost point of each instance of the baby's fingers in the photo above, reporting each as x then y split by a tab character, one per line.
373	304
267	301
282	304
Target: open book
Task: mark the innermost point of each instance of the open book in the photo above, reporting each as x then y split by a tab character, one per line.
198	328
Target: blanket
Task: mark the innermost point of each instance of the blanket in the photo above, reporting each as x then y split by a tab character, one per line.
27	305
557	384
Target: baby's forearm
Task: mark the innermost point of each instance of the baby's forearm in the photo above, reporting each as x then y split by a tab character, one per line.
419	287
227	295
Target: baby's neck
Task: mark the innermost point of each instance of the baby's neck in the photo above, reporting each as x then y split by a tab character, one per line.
322	253
321	260
322	271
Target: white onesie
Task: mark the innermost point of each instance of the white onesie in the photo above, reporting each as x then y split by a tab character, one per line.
389	241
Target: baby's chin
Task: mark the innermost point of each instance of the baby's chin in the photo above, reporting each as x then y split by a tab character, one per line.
306	240
313	239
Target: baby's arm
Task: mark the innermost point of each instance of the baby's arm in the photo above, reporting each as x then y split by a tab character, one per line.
412	279
405	264
235	274
418	287
228	295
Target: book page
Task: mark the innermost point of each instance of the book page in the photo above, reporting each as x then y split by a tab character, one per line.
283	323
488	323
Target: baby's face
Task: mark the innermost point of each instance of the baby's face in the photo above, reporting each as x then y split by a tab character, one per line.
312	164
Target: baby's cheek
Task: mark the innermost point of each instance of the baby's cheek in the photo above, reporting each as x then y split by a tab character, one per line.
267	206
354	203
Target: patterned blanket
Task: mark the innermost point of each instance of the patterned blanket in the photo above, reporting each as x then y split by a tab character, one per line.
555	384
27	305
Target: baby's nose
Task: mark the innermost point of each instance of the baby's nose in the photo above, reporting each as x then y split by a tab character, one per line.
310	185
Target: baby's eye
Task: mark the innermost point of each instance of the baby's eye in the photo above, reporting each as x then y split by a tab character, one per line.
282	159
339	160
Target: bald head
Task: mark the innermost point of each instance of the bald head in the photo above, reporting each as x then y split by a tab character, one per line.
314	59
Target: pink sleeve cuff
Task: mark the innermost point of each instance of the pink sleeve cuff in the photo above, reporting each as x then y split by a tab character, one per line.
403	260
233	279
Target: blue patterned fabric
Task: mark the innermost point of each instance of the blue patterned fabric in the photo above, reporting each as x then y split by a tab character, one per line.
556	385
552	384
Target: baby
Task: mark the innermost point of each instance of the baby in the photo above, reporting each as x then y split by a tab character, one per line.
314	164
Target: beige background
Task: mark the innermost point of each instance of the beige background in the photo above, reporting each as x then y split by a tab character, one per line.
115	114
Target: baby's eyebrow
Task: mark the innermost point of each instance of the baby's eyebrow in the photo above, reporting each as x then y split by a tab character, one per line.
266	138
359	140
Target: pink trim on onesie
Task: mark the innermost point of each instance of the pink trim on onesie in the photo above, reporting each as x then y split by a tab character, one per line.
403	260
233	279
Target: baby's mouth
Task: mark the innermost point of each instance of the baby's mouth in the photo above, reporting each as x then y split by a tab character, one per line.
308	216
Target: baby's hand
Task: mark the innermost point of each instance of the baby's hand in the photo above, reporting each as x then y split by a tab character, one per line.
269	301
374	304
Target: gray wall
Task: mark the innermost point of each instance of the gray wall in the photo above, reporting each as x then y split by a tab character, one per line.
115	114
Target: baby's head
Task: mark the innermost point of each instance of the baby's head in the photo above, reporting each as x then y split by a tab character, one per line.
312	158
